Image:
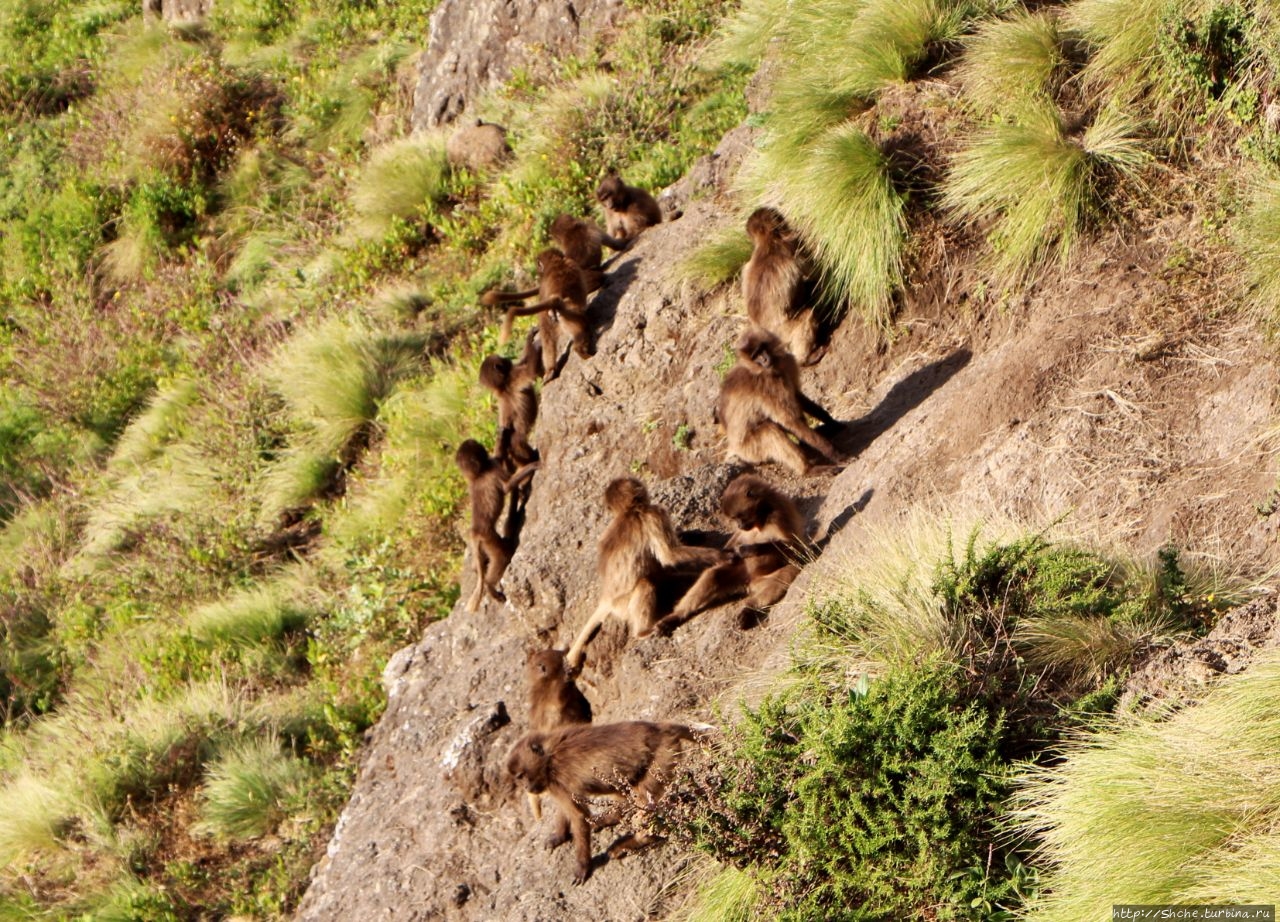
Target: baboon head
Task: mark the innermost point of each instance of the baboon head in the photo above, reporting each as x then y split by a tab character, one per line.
527	762
495	372
472	458
745	501
625	493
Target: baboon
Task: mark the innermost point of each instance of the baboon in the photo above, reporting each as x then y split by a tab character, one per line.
563	296
628	210
584	243
512	385
635	550
489	483
478	147
776	287
770	536
628	759
554	700
761	401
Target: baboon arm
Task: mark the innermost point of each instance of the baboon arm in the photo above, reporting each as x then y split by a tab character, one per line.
528	310
481	563
573	659
492	298
580	828
715	585
535	804
666	548
814	409
615	243
520	476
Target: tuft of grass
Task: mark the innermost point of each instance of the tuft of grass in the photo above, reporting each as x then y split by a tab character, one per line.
1257	239
250	616
840	195
33	814
718	261
248	788
145	438
1124	40
730	895
1039	187
402	181
1010	63
744	37
1180	811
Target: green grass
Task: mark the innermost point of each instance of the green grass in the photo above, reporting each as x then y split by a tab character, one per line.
146	436
1180	811
251	616
403	181
248	789
1257	240
1011	62
718	261
1039	187
729	895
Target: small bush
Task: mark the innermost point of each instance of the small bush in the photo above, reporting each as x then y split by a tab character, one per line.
402	181
252	616
247	790
1011	62
864	805
718	261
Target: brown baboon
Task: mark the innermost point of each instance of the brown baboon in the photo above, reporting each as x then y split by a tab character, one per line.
554	700
584	243
629	759
761	401
770	537
562	291
628	210
478	147
489	483
635	550
775	285
512	385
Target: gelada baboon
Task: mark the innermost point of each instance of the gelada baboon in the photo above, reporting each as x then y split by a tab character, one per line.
584	243
512	385
629	759
562	291
489	483
761	402
554	700
636	550
769	540
479	146
628	210
776	287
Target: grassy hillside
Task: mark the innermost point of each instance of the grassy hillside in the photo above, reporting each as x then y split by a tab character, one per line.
238	345
238	348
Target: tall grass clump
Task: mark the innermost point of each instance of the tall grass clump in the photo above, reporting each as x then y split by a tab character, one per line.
1012	62
248	788
403	181
146	436
719	260
251	616
1257	240
840	194
1124	37
744	37
32	816
1039	187
1173	812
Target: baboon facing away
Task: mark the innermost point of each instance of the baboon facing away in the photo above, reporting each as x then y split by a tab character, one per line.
761	402
512	384
489	484
554	700
562	291
637	549
628	210
776	287
584	243
769	539
628	759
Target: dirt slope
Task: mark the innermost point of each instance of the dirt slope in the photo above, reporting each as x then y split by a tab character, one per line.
1104	393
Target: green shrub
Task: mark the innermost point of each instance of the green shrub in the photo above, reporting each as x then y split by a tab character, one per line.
402	181
251	616
1010	62
248	788
865	805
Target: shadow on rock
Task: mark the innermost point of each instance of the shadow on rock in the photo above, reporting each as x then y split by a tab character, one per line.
842	519
604	307
902	398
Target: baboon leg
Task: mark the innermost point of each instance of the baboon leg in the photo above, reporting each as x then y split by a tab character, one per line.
720	583
549	334
633	842
562	832
499	556
800	429
642	608
769	589
573	659
481	563
770	443
579	829
607	820
580	329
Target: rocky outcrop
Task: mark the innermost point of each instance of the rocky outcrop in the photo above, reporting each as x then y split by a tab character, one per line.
179	11
477	44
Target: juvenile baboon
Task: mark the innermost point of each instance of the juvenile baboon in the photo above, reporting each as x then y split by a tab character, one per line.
770	536
629	759
776	287
761	402
584	243
636	550
512	384
628	210
562	291
478	146
554	700
489	483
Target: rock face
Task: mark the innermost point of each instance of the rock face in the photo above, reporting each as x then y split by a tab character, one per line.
178	10
476	44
